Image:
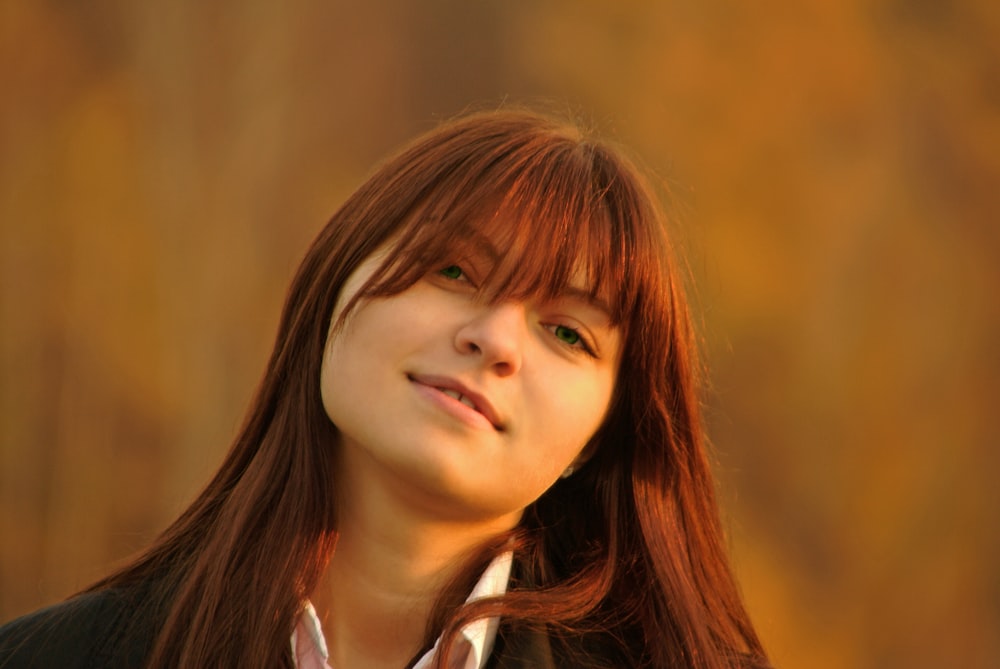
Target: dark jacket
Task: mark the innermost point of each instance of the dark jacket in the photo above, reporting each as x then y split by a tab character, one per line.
99	631
91	631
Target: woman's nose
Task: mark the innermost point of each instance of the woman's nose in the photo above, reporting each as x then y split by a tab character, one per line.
495	332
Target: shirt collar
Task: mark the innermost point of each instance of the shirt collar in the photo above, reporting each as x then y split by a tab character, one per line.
472	646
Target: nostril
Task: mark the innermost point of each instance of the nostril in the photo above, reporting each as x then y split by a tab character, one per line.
503	368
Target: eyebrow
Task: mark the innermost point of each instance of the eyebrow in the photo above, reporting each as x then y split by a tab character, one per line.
586	296
483	243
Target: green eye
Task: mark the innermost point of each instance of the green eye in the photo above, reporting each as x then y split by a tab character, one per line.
452	272
567	335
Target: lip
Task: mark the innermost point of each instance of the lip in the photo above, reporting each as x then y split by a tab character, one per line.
482	405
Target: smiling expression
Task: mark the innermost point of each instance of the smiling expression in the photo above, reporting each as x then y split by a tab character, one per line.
469	409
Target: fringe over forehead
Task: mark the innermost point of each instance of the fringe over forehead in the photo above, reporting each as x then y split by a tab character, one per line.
552	208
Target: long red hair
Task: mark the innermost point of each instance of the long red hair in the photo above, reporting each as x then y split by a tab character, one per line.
625	558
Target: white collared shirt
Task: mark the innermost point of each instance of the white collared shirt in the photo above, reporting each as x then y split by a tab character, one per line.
472	646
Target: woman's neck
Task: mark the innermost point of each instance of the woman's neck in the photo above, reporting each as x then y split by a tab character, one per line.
391	561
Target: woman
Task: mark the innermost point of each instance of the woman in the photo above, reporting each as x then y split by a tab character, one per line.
484	382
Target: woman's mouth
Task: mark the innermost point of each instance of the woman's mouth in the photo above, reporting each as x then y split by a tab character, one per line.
461	393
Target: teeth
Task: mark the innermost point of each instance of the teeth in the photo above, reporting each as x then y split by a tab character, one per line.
454	394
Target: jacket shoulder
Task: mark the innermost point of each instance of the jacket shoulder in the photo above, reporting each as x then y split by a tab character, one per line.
86	631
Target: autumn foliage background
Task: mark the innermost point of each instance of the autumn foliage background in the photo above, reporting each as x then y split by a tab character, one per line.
834	169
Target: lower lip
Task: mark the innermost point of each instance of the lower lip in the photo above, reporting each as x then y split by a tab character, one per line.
453	407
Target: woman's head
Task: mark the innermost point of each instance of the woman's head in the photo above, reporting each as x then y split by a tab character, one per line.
533	207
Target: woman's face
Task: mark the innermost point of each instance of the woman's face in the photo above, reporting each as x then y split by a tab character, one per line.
465	409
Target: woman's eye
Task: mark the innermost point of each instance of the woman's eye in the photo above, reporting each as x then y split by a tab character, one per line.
572	338
454	277
567	335
452	272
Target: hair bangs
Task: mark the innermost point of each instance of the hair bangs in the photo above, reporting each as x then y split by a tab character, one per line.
549	219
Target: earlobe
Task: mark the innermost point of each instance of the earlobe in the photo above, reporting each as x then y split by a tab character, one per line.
580	460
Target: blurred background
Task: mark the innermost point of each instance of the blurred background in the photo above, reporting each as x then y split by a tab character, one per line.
834	167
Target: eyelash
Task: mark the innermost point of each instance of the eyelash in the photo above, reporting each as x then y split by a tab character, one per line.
581	345
461	273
